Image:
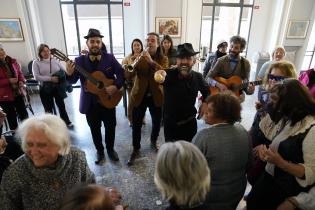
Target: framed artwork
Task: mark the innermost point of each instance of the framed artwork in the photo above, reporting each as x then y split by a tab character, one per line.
10	29
297	29
168	25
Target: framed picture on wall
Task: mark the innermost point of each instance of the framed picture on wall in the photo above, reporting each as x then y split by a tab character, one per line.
168	25
297	29
10	29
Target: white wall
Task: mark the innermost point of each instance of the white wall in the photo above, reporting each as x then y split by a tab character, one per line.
301	10
268	28
20	50
51	23
134	23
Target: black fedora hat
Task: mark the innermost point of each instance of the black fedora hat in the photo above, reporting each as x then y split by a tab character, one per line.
185	50
93	33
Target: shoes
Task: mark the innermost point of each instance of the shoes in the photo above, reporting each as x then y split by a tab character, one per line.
70	125
112	154
155	145
100	157
135	153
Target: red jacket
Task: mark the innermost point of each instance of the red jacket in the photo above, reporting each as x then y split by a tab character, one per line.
6	91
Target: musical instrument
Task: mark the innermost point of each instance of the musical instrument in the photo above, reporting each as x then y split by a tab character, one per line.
131	67
96	83
234	83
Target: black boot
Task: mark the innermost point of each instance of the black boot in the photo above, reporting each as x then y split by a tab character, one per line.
112	154
135	153
100	157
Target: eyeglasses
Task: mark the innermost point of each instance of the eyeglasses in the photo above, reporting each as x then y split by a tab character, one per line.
276	78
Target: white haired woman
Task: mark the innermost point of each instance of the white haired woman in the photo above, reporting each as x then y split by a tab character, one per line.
50	167
182	175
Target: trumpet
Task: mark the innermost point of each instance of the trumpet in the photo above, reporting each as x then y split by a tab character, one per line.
131	67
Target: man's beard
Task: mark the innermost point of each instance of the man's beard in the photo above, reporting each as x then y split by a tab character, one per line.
233	53
185	69
95	51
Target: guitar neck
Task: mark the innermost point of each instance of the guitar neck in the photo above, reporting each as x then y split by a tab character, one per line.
244	85
87	75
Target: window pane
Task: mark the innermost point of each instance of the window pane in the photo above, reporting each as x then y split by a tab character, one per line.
225	24
248	1
306	62
207	1
70	29
311	41
93	16
206	26
229	1
117	30
245	22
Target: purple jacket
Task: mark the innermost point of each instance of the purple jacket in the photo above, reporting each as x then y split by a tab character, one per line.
108	65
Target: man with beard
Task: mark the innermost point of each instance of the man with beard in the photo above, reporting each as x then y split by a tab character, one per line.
232	65
98	60
181	86
147	93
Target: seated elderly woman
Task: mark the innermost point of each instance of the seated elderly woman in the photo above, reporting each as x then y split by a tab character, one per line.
50	167
227	149
289	126
182	175
88	197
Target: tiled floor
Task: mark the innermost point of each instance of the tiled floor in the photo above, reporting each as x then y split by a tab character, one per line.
136	182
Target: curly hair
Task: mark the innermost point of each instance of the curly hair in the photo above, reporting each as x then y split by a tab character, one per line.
238	40
226	106
294	100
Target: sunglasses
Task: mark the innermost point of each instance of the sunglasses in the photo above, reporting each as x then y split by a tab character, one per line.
276	78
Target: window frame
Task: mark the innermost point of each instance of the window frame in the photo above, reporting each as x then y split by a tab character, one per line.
218	4
108	3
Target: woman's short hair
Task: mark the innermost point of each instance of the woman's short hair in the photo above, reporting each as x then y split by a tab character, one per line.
168	38
136	40
287	68
295	100
87	197
182	173
40	49
238	40
226	106
54	128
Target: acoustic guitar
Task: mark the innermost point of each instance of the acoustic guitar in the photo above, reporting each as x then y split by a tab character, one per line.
96	83
234	83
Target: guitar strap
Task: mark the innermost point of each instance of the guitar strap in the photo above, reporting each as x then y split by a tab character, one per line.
243	73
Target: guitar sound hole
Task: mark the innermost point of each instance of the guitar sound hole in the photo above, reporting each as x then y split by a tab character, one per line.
100	85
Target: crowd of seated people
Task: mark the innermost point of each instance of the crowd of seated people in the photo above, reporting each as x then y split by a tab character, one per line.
49	173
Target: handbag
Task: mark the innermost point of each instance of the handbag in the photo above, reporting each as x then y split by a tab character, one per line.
48	87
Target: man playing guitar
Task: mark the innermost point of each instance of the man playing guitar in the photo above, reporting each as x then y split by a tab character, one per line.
232	65
98	61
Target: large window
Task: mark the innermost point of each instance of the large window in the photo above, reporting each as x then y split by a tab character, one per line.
104	15
222	19
309	57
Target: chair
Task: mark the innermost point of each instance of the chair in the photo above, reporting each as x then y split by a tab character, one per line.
30	81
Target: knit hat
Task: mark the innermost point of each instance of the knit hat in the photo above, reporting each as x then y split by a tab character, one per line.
220	42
